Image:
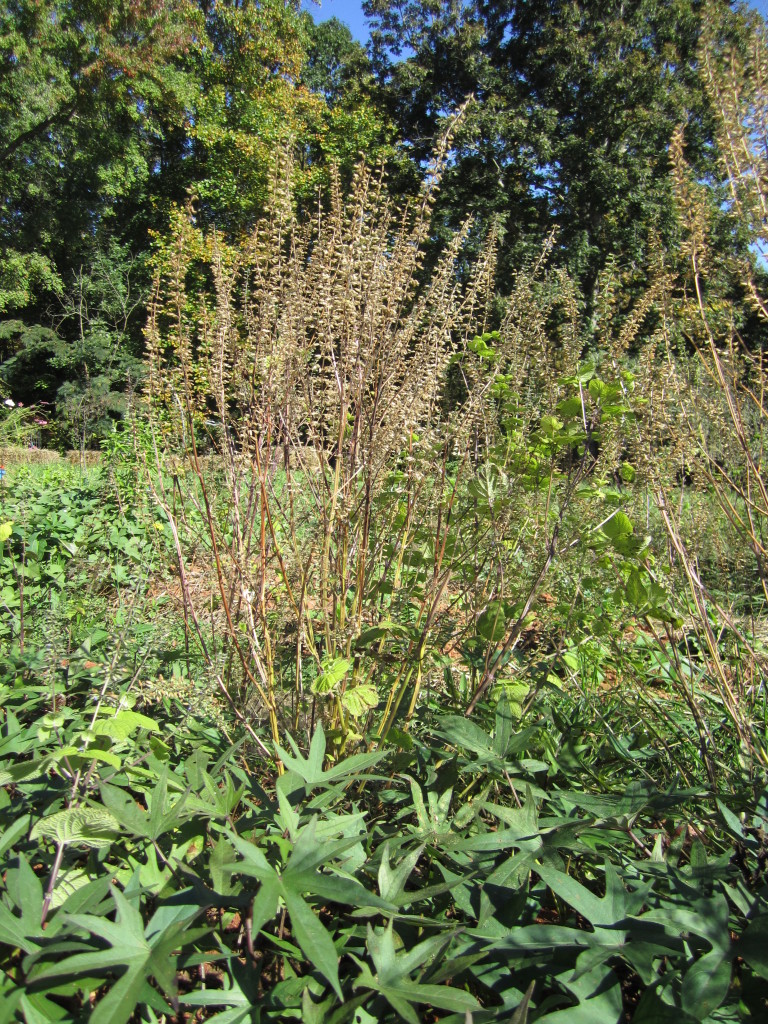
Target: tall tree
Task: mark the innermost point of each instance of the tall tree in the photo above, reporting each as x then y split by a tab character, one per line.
89	92
251	102
350	122
576	102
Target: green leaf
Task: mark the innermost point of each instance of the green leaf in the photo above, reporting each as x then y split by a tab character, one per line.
753	945
599	390
706	985
636	592
314	940
520	1016
6	529
124	724
492	623
550	425
370	636
333	671
13	833
618	526
570	407
360	699
83	826
393	972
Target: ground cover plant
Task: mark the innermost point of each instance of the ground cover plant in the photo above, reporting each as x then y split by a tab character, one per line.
403	655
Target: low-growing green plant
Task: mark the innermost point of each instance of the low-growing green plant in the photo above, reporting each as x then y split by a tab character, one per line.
492	868
66	554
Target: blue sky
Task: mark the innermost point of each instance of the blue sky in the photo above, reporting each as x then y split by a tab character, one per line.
350	12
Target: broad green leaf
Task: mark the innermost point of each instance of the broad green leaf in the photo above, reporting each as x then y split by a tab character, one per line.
570	407
359	700
705	985
636	592
618	526
6	529
124	724
370	636
333	671
81	755
68	883
752	945
492	622
550	425
598	389
83	826
22	771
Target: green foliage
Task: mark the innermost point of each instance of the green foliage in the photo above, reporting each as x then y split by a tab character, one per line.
387	668
87	94
574	107
381	897
66	553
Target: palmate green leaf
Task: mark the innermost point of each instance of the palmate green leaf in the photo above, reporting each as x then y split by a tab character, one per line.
82	826
392	979
125	810
392	881
703	917
309	852
599	995
26	892
652	1010
162	816
310	768
605	912
10	997
465	735
38	1009
129	947
241	995
612	806
359	700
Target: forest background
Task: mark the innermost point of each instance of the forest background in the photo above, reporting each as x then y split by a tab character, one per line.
115	115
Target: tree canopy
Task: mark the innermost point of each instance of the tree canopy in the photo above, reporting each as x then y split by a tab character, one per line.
114	113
